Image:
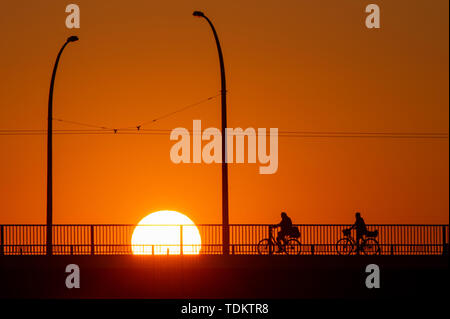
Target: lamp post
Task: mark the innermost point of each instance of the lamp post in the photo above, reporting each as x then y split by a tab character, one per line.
225	219
49	152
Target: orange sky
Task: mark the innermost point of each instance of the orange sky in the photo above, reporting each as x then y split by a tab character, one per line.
294	65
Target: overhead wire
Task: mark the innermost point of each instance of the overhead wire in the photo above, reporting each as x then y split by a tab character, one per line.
139	129
295	134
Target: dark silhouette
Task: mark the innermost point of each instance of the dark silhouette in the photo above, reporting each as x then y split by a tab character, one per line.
365	242
290	246
286	229
361	230
50	150
225	219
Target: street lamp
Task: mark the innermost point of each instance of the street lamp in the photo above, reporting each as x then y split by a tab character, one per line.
225	219
49	151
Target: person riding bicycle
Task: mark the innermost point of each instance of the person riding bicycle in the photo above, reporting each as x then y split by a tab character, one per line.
361	230
286	228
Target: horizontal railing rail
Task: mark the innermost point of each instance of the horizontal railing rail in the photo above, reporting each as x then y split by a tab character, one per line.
206	239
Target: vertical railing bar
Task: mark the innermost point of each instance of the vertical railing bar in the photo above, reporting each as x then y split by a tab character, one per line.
181	240
92	240
2	240
443	239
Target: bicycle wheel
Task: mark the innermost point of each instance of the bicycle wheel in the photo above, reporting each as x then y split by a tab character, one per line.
293	247
370	247
264	247
344	246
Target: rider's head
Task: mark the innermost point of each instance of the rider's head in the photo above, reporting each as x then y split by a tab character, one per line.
283	214
358	215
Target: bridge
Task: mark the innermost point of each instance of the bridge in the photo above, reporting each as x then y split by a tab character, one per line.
412	259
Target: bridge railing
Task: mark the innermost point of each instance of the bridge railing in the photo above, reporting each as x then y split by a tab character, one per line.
244	239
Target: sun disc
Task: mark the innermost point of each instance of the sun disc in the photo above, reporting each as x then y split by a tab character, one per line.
162	232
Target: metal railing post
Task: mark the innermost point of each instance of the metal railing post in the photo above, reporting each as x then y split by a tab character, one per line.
92	240
444	241
181	239
2	240
270	240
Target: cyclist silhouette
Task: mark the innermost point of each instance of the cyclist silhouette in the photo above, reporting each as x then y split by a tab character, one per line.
286	227
361	230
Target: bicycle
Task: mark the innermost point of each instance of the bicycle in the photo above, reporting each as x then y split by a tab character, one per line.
369	246
266	246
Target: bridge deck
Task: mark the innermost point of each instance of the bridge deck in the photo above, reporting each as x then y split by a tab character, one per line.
223	276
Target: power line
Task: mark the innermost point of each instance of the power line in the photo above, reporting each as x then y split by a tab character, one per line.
139	130
81	124
140	125
295	134
178	111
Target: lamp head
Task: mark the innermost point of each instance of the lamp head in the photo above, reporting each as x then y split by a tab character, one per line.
72	38
198	14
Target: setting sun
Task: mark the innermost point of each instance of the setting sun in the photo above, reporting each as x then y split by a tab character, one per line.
160	233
